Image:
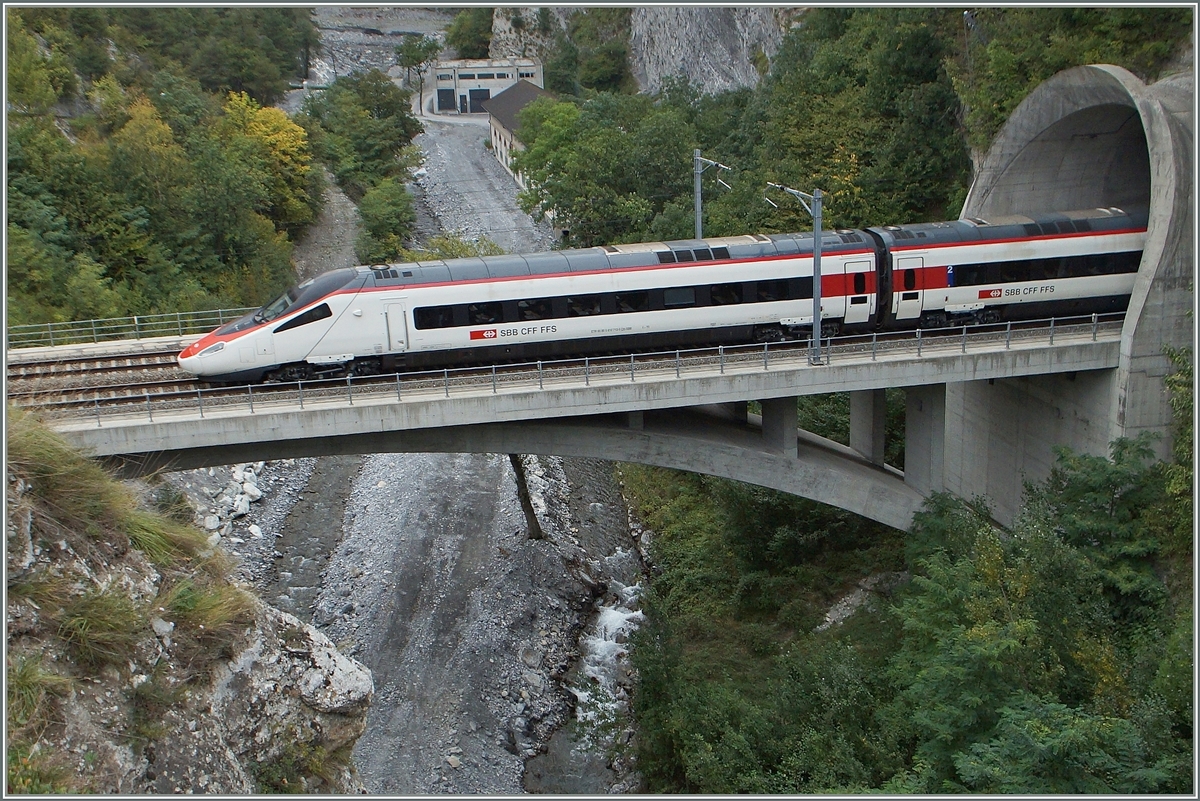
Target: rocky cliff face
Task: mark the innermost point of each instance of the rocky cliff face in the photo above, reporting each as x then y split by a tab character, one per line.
716	48
120	690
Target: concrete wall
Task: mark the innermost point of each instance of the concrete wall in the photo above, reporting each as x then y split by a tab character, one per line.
1090	136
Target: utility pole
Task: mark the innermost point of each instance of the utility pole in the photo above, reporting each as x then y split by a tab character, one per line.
699	165
815	210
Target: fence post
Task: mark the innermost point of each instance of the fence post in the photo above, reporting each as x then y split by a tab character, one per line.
1051	330
179	323
964	339
200	401
349	389
540	384
721	357
1008	336
149	409
677	364
300	392
398	383
250	392
446	375
918	343
221	316
587	372
94	339
50	330
874	339
493	379
137	330
766	358
1095	325
631	375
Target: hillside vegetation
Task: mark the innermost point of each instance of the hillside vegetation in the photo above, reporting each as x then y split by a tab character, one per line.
876	107
1052	657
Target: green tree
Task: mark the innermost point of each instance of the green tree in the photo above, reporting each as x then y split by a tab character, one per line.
470	32
415	55
388	218
360	127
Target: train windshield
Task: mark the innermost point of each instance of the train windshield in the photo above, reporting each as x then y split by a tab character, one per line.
306	293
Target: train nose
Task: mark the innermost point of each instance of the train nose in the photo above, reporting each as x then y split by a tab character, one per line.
191	358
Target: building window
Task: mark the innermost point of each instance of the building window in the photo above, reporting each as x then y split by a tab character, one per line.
486	76
466	76
445	77
501	74
524	74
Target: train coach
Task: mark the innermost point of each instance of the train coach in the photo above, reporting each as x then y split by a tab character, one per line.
755	288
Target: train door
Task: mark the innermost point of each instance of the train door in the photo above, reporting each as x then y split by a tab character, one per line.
858	302
397	328
906	298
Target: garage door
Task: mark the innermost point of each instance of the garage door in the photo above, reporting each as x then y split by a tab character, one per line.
477	98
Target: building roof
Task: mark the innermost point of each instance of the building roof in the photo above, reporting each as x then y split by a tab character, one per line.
505	106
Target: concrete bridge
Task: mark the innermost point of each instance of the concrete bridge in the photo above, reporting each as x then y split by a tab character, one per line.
982	415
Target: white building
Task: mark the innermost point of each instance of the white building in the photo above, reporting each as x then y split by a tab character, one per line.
502	119
463	84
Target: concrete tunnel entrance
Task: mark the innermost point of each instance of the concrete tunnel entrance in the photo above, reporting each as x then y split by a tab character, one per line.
1093	136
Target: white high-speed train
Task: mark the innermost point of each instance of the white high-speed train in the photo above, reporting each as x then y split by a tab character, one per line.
384	318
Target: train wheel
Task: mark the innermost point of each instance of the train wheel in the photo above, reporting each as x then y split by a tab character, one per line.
365	367
768	333
290	372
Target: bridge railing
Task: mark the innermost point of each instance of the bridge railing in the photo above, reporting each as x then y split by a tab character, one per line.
600	370
113	328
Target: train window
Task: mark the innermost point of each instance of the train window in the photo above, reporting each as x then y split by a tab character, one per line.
633	301
683	255
583	305
970	274
666	257
540	309
319	312
858	301
1083	226
703	254
478	313
434	317
910	279
676	297
725	294
720	253
860	283
767	291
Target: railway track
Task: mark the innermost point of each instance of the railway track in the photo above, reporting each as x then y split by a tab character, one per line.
152	380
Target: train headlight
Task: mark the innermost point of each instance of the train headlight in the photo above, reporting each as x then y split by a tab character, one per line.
211	349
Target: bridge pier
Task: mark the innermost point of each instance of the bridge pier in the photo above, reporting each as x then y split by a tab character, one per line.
925	438
779	423
868	419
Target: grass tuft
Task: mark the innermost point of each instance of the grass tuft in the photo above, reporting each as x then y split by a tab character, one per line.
27	687
75	491
101	626
208	619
